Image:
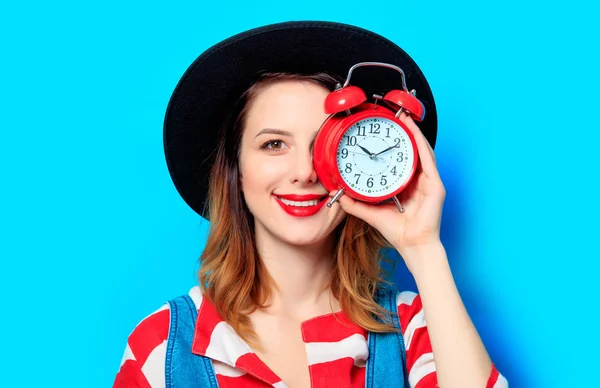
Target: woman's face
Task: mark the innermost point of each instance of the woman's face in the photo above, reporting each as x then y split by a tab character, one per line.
278	179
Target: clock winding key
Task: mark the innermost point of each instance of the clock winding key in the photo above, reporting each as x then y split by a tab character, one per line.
335	197
398	205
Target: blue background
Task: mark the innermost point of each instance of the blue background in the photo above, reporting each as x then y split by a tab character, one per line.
94	236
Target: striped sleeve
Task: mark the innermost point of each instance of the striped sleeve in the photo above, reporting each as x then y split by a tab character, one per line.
419	355
143	363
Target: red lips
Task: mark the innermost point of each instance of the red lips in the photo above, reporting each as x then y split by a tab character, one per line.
301	211
301	197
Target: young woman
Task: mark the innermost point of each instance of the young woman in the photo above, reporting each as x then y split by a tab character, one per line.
291	292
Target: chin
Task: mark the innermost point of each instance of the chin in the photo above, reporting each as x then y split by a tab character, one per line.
301	238
295	229
301	241
299	232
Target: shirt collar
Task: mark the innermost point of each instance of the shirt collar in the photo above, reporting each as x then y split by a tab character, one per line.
215	339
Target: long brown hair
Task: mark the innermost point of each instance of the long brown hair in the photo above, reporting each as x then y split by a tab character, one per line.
232	275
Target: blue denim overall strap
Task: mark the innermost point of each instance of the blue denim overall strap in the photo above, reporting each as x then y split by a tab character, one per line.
386	365
184	369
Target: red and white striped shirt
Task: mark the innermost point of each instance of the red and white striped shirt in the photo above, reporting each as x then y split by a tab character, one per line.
342	348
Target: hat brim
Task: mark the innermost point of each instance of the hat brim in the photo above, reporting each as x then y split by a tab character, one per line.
218	77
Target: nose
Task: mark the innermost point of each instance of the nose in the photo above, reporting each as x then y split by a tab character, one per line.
303	170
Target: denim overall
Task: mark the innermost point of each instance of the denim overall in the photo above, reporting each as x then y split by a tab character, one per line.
386	364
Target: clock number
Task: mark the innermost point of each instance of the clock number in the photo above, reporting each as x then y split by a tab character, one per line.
397	142
383	181
361	131
344	153
348	167
370	182
388	132
400	157
374	128
393	170
357	177
350	140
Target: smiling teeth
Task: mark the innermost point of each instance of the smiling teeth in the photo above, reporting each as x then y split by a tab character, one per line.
312	202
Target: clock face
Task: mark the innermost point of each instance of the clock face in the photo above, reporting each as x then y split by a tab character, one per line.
375	157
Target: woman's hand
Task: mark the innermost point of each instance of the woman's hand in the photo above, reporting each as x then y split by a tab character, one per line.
422	200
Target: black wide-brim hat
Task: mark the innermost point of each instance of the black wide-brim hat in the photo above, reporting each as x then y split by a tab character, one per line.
219	76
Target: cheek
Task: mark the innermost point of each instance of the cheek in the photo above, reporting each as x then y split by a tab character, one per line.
259	172
338	215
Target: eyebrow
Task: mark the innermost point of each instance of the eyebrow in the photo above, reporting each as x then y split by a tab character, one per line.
274	131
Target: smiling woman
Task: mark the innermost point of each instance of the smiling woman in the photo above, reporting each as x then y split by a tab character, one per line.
291	292
271	177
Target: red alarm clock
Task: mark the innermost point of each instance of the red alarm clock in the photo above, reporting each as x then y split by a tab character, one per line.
362	149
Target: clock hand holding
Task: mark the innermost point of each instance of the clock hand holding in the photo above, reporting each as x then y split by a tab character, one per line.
415	234
419	225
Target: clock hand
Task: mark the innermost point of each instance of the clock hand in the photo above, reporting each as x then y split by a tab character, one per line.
372	155
358	153
387	149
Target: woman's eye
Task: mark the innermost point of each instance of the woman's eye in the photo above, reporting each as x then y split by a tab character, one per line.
274	145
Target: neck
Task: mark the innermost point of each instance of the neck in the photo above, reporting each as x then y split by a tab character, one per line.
301	274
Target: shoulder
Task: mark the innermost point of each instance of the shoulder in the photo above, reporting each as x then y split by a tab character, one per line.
146	347
153	330
408	306
419	353
410	311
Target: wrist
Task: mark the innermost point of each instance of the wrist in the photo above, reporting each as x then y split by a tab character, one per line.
421	259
